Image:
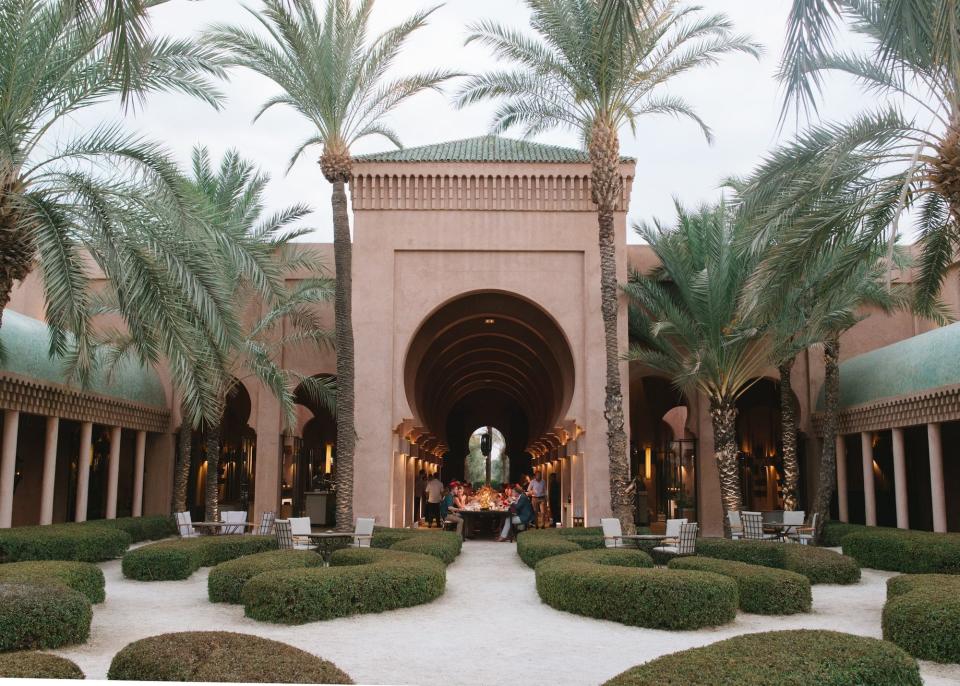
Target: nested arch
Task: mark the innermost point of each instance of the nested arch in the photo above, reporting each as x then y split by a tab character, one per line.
484	351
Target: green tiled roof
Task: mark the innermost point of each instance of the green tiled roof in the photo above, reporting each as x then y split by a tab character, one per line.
913	365
481	149
26	342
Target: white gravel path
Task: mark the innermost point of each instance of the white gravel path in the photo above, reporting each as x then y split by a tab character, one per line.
490	623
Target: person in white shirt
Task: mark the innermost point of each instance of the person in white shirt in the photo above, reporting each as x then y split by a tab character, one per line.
434	494
537	490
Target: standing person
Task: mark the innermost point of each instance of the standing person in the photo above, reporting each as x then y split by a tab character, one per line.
419	489
434	494
521	513
537	490
553	492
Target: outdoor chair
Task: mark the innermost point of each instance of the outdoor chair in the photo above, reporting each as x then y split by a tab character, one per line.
185	525
363	532
686	543
301	527
672	531
235	521
753	527
736	527
612	532
804	534
284	532
266	523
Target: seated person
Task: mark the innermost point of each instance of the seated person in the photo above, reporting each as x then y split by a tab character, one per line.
521	513
448	510
507	496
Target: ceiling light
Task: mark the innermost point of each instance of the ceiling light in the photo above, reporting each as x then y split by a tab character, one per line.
489	321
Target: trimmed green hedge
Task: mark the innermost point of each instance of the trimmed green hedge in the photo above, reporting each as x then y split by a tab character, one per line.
922	615
899	550
798	658
833	532
178	559
37	666
80	576
443	545
42	616
152	528
359	580
819	565
539	544
221	656
763	590
619	584
226	580
83	542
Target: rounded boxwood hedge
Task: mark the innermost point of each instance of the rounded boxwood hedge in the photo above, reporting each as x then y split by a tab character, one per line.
84	577
84	542
178	559
539	544
898	550
798	658
221	656
922	615
30	665
359	580
443	545
42	616
820	565
763	590
226	580
619	584
152	528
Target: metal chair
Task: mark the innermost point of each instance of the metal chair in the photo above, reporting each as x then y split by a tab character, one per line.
804	534
301	527
266	523
234	520
612	532
673	529
284	533
686	542
363	532
753	527
736	527
185	525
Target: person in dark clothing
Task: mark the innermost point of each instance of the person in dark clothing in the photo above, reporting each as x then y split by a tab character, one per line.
521	511
554	496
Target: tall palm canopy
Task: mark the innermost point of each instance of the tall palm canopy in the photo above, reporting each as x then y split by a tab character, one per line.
594	67
880	163
103	193
685	321
334	75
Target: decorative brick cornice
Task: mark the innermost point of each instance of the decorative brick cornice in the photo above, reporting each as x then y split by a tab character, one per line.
54	400
935	405
547	192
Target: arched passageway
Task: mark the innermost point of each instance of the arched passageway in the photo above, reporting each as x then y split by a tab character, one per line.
308	471
489	359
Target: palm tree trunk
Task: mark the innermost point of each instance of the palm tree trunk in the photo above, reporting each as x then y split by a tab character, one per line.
831	419
788	431
212	501
607	189
181	475
346	432
723	416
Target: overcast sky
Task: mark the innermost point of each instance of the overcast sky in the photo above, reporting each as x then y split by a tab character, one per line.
739	99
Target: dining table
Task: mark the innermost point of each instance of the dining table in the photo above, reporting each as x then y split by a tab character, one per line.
216	528
326	542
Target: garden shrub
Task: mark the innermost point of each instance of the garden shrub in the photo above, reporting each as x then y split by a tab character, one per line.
899	550
83	542
221	656
922	615
152	528
834	531
80	576
819	565
619	584
443	545
799	658
359	580
762	590
178	559
226	580
42	616
539	544
29	665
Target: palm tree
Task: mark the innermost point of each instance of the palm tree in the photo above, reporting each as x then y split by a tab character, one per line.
595	75
232	196
103	193
880	163
334	77
686	322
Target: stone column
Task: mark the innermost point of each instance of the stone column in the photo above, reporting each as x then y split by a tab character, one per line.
900	479
869	491
8	466
138	466
842	504
49	470
938	500
83	472
113	472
